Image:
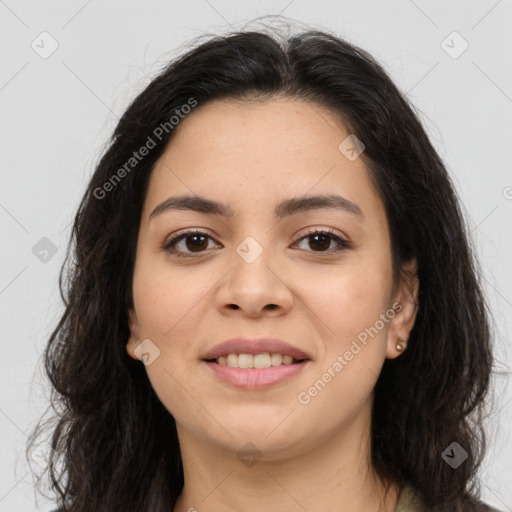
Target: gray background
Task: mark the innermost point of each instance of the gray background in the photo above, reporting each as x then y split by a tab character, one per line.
57	113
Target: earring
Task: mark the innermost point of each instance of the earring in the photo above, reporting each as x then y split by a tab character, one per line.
401	345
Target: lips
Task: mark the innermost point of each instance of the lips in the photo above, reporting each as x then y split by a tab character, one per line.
254	346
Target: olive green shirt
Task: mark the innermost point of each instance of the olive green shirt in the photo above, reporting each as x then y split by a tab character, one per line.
409	501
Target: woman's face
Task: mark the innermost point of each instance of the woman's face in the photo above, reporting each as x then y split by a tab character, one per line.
256	274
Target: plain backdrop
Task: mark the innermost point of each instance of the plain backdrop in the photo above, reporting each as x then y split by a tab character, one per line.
69	69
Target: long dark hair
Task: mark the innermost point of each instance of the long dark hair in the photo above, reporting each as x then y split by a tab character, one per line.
114	445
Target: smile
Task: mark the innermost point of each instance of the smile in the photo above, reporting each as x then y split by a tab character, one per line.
244	372
259	361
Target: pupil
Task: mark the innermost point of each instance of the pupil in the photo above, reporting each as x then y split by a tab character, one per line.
325	238
192	246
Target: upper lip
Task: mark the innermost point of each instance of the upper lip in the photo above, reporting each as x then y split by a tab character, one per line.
255	346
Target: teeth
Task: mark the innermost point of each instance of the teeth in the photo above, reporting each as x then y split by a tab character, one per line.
245	361
258	361
261	361
276	359
232	360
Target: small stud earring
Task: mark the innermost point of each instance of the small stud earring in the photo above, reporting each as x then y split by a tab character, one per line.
401	345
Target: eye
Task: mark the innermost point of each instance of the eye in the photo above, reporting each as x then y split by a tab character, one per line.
321	239
193	242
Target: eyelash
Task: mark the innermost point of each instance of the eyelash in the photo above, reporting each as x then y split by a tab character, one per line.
169	245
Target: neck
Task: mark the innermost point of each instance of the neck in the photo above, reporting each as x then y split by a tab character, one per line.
337	475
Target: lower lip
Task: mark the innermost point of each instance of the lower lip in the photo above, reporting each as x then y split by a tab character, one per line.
255	378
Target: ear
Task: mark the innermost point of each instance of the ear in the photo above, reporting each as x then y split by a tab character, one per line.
405	302
134	338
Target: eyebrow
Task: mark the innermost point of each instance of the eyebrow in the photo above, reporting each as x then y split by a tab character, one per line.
285	208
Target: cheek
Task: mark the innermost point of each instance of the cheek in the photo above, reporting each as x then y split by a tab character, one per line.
348	299
167	306
167	302
349	305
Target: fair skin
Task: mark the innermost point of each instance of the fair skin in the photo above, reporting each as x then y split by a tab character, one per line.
251	157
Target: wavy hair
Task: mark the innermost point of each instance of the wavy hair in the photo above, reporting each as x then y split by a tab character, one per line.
114	444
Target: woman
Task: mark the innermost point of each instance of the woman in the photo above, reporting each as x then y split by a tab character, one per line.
274	303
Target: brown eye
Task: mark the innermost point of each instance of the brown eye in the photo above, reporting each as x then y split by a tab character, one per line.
320	241
188	243
196	242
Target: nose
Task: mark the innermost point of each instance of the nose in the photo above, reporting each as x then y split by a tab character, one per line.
254	289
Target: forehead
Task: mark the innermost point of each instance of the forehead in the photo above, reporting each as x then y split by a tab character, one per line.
259	151
292	127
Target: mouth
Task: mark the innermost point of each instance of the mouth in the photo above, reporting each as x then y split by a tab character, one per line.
253	352
255	371
255	363
259	361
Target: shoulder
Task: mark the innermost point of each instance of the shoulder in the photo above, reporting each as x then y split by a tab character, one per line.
487	508
409	501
